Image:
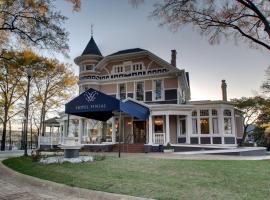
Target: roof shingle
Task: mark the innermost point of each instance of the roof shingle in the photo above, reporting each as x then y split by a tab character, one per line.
92	48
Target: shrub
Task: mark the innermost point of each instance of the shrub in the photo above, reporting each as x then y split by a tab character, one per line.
36	155
99	157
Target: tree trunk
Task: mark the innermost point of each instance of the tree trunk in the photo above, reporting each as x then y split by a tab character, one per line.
244	136
3	140
10	141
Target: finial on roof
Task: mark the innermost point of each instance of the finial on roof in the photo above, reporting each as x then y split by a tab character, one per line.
92	27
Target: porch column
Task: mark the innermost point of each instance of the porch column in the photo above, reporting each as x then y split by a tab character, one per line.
113	130
189	128
221	124
167	129
150	132
80	130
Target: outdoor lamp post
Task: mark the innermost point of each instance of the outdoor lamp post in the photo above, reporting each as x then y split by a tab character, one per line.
29	76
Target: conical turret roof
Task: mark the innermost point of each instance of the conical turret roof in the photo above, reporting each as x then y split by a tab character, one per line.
91	48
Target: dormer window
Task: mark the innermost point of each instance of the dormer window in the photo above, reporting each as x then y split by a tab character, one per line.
118	69
137	67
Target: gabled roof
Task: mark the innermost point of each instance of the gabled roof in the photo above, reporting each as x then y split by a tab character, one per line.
134	50
129	53
91	48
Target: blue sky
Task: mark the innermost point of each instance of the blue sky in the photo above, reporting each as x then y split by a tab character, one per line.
118	26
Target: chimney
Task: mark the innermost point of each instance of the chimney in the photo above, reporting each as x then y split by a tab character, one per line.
173	57
224	90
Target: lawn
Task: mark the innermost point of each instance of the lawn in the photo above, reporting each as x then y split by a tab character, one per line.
159	178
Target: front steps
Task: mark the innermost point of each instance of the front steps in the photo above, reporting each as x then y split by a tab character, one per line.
129	148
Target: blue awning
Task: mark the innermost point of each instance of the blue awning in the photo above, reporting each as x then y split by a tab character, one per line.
96	105
134	109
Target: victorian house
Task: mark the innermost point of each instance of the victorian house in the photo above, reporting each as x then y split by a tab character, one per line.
140	76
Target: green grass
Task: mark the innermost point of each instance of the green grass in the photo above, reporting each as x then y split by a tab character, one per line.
159	178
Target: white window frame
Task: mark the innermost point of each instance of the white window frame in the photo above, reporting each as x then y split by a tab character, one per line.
154	90
135	88
231	120
118	89
135	66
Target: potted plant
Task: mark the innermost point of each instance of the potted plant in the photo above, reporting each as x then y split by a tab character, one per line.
168	148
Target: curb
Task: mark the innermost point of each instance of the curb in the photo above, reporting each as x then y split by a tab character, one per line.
61	188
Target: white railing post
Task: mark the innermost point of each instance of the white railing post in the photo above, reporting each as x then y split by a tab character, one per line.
150	124
167	129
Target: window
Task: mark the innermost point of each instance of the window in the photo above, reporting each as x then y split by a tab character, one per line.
89	67
137	67
81	68
214	112
122	91
204	112
227	113
140	91
227	121
194	113
159	124
204	125
227	125
194	126
182	126
158	89
118	69
215	125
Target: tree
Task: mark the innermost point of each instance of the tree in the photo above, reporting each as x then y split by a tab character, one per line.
253	108
33	23
53	86
244	20
12	85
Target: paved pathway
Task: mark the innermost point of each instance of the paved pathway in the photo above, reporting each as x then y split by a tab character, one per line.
16	186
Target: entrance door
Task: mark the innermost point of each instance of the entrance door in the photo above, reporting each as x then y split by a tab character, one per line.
139	131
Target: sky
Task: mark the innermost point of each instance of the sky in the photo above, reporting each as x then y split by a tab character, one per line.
118	25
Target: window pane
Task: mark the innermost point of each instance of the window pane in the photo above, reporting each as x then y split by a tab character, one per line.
122	90
214	112
215	125
89	67
204	126
194	126
159	124
227	113
182	127
194	113
140	91
227	125
158	89
204	112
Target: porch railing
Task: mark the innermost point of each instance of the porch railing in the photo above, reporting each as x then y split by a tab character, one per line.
47	140
159	138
